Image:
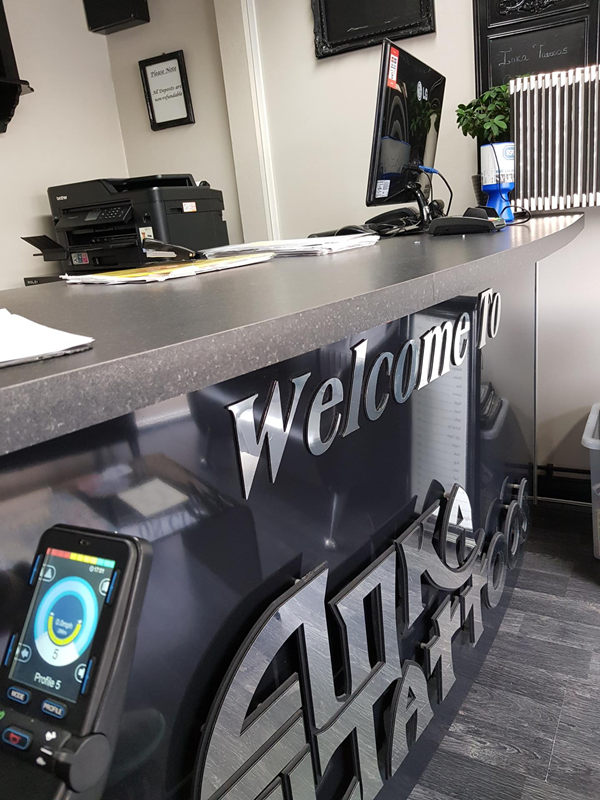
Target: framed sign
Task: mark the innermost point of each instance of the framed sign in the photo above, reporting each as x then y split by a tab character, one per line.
342	25
524	37
167	91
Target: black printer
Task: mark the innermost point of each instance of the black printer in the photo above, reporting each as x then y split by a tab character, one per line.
102	224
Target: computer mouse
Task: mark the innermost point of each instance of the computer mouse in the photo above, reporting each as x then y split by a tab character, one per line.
397	216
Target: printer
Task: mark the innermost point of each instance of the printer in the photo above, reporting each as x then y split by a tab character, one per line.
102	224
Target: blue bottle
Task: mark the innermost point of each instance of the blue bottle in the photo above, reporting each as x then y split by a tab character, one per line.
498	176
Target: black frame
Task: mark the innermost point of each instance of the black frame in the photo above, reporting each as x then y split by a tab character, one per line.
325	47
11	85
497	19
376	145
189	119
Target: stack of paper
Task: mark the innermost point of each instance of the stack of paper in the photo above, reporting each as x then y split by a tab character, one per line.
315	246
22	340
165	272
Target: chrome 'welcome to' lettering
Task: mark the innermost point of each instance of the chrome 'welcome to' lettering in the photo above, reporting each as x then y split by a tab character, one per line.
419	362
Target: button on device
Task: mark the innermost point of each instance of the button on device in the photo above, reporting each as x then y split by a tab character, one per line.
23	653
9	650
86	681
54	709
18	695
15	737
50	569
111	590
36	564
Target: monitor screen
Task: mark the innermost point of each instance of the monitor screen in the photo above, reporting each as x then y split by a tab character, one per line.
407	123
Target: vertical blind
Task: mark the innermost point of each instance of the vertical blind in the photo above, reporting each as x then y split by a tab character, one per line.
555	120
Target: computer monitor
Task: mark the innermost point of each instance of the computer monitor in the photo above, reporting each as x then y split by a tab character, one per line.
407	122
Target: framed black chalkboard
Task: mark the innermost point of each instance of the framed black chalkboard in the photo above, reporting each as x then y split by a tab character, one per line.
524	37
342	25
11	86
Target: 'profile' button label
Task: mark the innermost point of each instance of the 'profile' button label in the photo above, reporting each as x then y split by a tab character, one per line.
54	709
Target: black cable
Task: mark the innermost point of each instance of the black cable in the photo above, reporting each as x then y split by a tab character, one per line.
522	210
430	185
450	190
429	171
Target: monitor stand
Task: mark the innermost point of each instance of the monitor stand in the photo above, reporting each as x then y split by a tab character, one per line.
400	216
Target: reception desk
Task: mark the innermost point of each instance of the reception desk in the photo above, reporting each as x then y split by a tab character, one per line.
332	458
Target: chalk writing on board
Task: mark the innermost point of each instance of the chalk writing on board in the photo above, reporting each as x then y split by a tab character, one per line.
540	52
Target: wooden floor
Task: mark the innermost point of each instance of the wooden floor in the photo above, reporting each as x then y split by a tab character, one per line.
530	727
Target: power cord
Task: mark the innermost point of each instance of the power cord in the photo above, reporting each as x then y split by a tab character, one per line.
522	210
429	171
430	185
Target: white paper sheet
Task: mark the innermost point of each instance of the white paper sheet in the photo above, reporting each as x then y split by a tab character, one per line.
314	246
153	273
22	340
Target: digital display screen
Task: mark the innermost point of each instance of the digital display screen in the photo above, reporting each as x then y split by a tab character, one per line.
61	623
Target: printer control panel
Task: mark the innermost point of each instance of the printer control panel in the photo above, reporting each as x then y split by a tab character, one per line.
111	214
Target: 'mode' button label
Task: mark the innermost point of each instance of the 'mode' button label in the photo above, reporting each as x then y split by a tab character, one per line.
18	695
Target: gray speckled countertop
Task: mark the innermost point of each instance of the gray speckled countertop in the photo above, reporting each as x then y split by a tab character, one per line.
159	341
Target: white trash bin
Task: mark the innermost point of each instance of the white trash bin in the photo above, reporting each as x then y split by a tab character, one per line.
591	440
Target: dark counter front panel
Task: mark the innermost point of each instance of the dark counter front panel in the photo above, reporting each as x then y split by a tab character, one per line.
306	588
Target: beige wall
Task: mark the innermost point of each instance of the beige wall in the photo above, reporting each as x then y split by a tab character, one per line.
67	130
204	149
569	347
321	113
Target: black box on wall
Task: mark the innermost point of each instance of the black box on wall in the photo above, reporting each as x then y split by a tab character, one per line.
110	16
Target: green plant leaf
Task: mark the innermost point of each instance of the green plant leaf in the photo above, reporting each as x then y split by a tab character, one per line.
486	117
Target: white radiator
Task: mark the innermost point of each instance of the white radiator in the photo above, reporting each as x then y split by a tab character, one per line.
555	120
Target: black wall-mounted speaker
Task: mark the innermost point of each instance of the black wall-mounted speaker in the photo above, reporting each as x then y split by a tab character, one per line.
110	16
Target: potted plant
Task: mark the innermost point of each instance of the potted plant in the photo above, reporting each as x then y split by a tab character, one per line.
487	119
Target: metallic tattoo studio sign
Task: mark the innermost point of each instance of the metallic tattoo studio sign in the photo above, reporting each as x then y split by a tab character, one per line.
282	748
418	363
